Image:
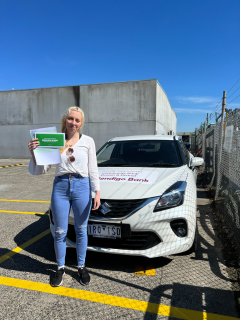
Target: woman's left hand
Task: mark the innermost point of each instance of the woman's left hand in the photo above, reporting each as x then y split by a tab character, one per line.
97	201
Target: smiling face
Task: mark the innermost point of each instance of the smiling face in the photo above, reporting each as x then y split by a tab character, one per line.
73	122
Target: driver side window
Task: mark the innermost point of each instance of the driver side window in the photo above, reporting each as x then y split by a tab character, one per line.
186	153
106	155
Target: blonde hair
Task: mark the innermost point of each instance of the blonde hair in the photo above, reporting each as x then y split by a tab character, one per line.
66	114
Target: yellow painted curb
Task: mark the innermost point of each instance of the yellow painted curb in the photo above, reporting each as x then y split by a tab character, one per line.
12	165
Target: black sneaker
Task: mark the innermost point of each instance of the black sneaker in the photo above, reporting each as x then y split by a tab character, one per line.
84	277
57	279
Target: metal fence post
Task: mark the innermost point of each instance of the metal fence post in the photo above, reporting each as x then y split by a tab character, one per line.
220	145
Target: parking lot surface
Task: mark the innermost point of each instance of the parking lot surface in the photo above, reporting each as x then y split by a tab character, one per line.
184	286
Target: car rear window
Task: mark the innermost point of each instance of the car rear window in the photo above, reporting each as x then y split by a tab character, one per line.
139	153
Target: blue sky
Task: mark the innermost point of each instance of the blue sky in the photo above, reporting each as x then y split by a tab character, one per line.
191	47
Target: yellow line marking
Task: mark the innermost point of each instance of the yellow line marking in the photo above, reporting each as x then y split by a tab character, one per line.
139	270
6	166
1	167
148	271
23	212
139	305
23	246
25	200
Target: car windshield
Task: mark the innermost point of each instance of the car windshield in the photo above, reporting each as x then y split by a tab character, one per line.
142	153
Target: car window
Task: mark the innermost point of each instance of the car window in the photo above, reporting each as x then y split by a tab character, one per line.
105	153
139	153
185	152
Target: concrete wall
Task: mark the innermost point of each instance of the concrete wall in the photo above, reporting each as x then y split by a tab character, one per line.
119	109
185	136
22	110
166	118
111	109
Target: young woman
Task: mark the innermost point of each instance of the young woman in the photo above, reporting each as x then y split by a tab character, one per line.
75	178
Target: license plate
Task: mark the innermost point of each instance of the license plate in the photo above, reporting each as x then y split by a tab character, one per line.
104	231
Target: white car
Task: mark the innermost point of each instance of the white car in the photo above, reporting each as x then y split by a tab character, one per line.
148	198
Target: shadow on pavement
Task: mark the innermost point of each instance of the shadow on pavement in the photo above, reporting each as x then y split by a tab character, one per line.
42	248
202	297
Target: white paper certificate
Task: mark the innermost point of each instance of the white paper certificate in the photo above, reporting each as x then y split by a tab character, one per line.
45	156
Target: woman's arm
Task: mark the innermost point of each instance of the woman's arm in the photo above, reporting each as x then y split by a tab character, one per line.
33	167
93	174
33	145
97	201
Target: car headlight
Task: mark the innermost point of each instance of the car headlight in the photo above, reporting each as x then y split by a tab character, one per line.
172	197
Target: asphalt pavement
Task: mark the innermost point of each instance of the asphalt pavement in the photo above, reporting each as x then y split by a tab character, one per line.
184	286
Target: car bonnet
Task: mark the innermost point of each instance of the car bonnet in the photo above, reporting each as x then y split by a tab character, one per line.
138	183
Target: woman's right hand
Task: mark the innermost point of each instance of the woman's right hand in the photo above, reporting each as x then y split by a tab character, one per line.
33	145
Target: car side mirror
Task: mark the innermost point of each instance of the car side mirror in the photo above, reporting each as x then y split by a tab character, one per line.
196	162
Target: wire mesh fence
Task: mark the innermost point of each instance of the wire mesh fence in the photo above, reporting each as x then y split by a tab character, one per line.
220	145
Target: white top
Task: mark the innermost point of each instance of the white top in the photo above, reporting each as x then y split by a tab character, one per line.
85	162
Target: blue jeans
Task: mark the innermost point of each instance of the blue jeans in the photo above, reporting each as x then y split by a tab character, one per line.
70	191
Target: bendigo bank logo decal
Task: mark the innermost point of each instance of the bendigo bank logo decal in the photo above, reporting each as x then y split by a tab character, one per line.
125	176
123	179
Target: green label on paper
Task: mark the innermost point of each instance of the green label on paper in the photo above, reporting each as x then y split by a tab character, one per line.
56	140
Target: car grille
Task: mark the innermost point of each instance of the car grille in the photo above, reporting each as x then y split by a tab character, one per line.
119	208
139	240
